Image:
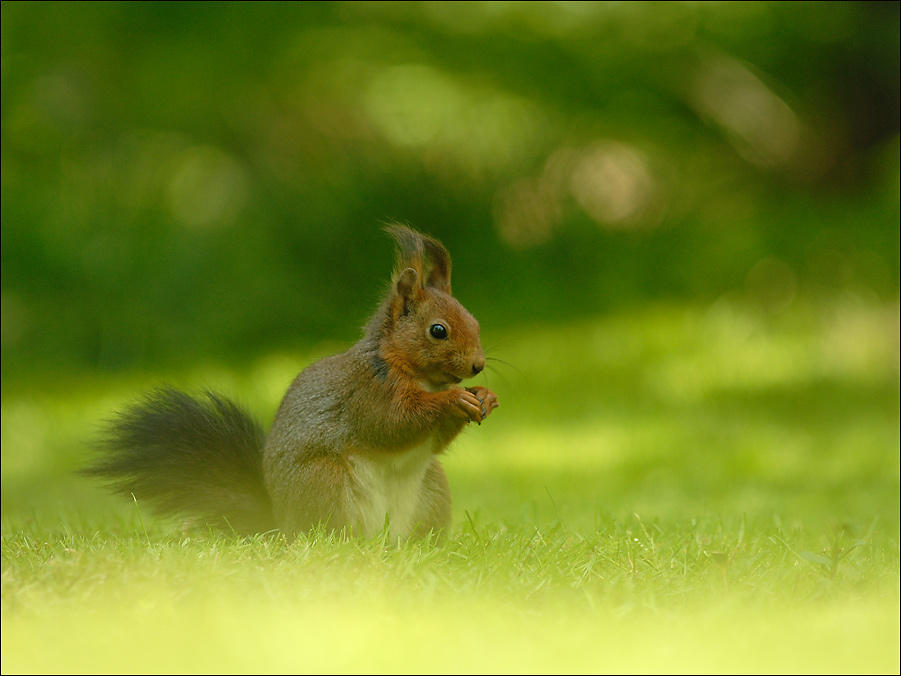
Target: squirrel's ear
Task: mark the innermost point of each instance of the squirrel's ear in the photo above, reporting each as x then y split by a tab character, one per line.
439	275
405	286
406	291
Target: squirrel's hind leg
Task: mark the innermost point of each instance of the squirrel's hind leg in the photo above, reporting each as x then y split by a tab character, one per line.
435	510
313	497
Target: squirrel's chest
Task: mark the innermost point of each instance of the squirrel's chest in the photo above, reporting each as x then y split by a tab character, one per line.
388	487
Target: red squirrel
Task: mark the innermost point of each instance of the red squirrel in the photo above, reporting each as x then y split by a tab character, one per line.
356	439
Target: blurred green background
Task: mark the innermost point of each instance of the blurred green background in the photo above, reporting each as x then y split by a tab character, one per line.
206	181
678	224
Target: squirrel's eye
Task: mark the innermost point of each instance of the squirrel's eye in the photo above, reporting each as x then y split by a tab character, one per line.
438	331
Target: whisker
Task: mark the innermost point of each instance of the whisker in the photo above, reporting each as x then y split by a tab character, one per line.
502	343
505	363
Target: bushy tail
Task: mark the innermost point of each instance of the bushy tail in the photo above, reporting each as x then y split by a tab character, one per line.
196	458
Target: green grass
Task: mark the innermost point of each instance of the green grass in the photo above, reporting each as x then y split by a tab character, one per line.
676	489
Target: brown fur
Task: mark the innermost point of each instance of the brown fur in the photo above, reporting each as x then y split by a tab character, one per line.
388	394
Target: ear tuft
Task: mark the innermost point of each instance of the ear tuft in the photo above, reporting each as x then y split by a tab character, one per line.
410	253
423	254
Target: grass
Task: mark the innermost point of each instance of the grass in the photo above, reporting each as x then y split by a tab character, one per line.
676	489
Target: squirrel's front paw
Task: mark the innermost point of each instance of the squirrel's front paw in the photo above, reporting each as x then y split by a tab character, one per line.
487	400
468	405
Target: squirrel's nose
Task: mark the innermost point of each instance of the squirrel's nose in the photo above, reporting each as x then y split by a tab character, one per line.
478	365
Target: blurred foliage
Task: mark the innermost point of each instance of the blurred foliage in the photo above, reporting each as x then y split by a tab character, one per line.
181	180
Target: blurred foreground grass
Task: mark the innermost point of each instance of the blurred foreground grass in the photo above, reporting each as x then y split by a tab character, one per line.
671	489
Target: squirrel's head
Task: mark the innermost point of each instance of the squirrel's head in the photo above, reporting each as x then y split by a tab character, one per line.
423	330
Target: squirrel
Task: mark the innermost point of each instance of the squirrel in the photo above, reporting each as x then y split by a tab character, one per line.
355	442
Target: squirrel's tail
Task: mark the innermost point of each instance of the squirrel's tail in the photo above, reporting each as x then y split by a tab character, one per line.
189	457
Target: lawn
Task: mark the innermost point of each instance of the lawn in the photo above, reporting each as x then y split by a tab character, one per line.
677	488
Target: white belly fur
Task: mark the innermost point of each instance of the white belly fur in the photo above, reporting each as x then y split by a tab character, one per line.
389	486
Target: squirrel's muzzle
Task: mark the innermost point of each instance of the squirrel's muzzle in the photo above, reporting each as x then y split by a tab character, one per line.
478	365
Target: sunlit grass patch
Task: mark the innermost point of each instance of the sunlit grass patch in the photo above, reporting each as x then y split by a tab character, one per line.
632	596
